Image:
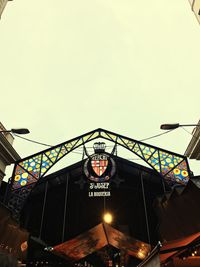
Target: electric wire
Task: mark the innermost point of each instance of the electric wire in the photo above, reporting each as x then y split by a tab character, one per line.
39	143
76	152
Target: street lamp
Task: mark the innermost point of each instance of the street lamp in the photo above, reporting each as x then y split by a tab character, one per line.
16	131
172	126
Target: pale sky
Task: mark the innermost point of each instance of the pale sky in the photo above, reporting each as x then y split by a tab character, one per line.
69	67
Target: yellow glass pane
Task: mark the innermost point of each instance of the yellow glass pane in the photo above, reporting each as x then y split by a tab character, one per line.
87	137
112	137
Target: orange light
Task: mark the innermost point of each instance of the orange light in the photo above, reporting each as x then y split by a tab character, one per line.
107	217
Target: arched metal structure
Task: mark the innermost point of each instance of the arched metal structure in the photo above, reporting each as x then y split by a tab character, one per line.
172	167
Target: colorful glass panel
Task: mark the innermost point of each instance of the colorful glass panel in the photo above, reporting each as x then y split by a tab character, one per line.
154	161
178	175
146	151
63	151
164	162
120	141
105	135
70	145
46	163
32	165
130	145
112	137
53	154
22	178
136	148
138	151
173	168
95	135
168	161
87	137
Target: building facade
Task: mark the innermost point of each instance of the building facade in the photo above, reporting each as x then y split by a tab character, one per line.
8	155
193	149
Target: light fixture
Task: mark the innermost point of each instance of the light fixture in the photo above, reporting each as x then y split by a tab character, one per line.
16	131
172	126
141	254
107	217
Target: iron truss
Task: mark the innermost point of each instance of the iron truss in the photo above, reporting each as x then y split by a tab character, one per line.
172	167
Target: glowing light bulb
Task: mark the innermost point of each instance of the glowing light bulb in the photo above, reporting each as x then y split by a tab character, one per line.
107	217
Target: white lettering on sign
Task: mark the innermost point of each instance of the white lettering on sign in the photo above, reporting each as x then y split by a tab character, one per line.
99	185
100	156
99	194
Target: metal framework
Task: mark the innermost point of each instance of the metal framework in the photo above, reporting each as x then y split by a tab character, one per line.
172	167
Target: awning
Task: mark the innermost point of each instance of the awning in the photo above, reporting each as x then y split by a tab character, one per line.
97	238
175	246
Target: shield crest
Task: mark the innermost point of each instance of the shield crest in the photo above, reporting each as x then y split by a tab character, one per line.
99	166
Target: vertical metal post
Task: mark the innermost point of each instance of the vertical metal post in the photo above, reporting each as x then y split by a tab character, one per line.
145	209
83	155
43	208
162	177
65	206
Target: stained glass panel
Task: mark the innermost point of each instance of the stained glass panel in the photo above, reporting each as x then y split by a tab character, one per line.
87	137
138	151
120	141
178	175
63	151
112	137
154	161
168	161
46	163
22	178
32	165
104	135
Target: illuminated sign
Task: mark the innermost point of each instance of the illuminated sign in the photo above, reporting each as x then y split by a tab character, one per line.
99	168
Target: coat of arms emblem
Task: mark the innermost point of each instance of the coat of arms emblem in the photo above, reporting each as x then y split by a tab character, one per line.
99	167
99	164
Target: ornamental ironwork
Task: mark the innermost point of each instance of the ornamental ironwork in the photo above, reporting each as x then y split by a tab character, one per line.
172	167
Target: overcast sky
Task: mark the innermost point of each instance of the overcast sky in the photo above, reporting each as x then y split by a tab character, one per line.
68	67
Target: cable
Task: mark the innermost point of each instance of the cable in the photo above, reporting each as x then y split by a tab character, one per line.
39	143
43	144
188	132
154	136
32	141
